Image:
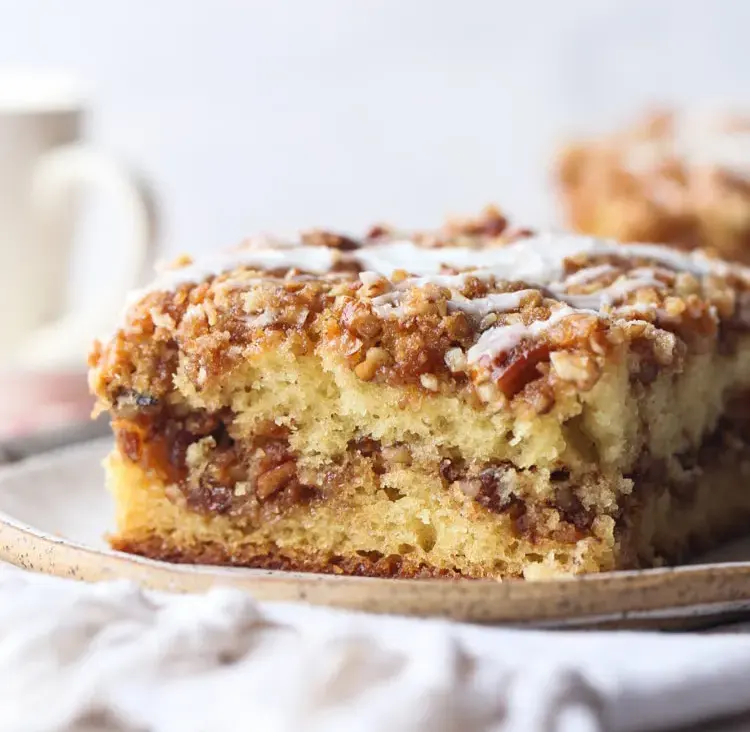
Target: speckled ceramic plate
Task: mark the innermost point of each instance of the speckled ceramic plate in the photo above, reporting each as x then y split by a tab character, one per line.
54	512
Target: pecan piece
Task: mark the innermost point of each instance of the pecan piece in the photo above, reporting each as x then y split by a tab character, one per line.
520	369
274	480
374	359
361	321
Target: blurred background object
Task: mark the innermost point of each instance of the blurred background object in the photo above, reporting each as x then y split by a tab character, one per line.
43	162
256	115
259	116
680	179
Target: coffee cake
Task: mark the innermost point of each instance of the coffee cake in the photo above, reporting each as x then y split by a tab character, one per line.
468	402
672	178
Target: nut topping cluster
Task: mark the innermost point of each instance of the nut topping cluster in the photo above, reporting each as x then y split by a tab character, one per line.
427	333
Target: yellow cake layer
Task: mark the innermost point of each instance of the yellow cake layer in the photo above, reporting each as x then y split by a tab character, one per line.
326	406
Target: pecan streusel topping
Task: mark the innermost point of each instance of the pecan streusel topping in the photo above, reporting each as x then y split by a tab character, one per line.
471	331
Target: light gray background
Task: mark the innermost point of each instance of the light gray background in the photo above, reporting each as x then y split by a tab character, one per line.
277	114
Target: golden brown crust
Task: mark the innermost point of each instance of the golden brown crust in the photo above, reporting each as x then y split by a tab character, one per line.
672	551
366	565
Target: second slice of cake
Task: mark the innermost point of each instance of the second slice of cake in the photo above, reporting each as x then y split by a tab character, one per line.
675	178
456	403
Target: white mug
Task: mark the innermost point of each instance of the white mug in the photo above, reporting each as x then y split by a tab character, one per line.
43	163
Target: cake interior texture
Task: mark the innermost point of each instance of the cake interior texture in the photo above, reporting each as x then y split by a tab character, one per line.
470	402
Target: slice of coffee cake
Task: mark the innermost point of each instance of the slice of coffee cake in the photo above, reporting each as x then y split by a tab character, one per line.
465	402
673	178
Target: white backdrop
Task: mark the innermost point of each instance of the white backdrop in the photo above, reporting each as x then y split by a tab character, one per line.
261	114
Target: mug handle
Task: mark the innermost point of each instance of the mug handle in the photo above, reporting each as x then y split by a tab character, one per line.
65	341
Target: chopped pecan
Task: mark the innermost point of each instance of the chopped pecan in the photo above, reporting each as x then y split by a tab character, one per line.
359	319
320	238
520	368
274	480
580	368
374	359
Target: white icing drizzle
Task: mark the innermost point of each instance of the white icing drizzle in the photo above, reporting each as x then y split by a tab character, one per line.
369	278
318	260
498	302
503	338
538	261
650	272
404	254
645	307
609	295
588	274
501	302
693	262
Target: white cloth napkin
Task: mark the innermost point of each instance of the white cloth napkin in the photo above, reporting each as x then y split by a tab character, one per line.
77	656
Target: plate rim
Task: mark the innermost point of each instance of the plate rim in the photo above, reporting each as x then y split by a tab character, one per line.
705	589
